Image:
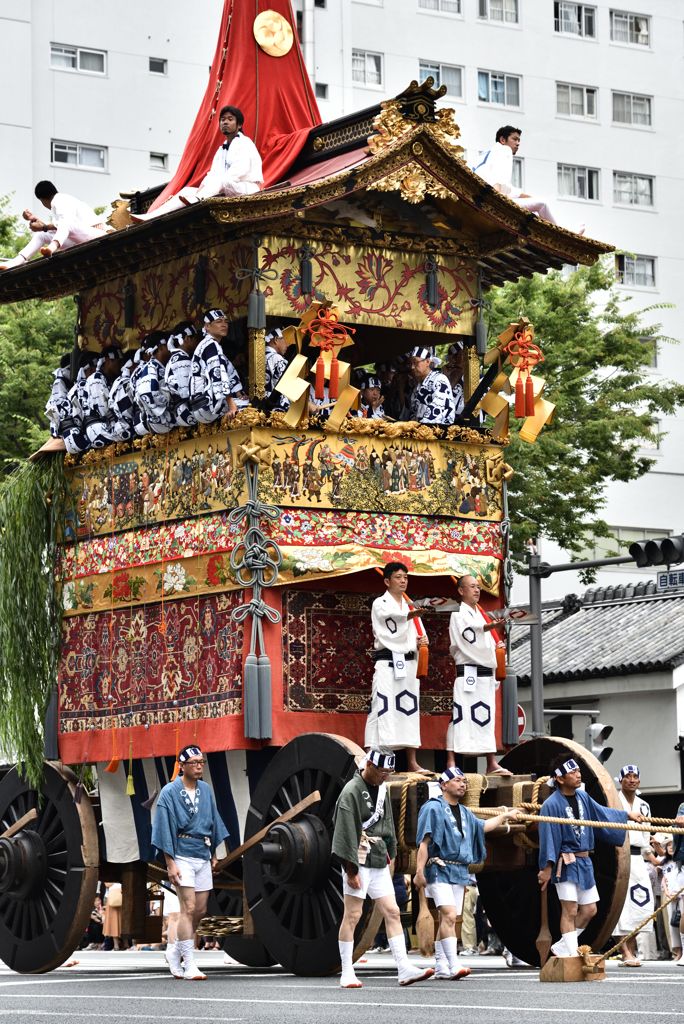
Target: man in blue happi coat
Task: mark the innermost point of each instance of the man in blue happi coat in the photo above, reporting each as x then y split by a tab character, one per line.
448	839
564	849
187	829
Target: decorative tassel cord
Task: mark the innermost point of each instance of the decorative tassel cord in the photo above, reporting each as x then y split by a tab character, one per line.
251	562
631	826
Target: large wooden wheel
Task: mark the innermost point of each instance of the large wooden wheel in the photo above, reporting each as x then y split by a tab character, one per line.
512	899
48	871
293	887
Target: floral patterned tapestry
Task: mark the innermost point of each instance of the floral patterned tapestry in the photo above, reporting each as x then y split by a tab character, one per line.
375	286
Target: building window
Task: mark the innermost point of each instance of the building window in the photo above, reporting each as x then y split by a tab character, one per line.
635	270
493	87
499	10
629	109
632	29
321	91
632	189
651	344
517	175
159	161
74	58
445	6
575	19
443	74
608	547
319	3
580	182
653	443
366	67
575	101
90	158
158	66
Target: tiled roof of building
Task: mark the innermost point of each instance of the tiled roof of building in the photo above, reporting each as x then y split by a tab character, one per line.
609	631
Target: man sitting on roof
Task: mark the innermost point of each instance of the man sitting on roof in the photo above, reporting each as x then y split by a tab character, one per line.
496	167
73	222
235	170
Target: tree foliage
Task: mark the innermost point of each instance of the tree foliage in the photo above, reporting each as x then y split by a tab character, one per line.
33	336
595	367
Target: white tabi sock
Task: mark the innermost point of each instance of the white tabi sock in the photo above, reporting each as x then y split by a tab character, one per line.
346	952
450	947
440	955
571	943
560	948
398	947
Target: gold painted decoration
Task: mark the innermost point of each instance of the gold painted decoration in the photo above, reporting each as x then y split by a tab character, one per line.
257	363
413	183
391	125
273	33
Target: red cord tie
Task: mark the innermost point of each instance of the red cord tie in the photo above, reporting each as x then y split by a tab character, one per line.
328	335
524	355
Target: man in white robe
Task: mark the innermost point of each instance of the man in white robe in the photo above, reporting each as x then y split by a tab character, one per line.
471	731
73	221
496	167
639	902
394	718
235	170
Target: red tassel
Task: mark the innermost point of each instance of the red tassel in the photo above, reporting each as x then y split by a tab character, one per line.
320	378
113	766
519	399
529	396
176	769
334	386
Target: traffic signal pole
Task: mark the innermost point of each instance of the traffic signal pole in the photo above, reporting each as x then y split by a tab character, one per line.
665	551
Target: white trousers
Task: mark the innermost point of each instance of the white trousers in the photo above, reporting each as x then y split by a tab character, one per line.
76	235
212	186
539	206
394	717
473	714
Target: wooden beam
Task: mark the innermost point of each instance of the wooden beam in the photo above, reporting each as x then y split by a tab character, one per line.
312	798
18	825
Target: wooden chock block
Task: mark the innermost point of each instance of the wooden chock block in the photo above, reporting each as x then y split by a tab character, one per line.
571	968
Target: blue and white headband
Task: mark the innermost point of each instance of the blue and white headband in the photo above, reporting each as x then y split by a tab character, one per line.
371	382
214	314
419	353
271	337
568	766
455	348
177	340
629	769
385	762
451	773
188	752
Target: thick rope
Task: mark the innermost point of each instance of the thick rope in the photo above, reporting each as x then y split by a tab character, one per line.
537	786
651	917
405	786
630	826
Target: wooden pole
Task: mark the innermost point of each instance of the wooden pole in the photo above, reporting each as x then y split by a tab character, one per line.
292	813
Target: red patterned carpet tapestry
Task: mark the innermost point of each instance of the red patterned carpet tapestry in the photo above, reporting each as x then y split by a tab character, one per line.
327	666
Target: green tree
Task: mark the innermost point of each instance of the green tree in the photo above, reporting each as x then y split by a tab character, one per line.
595	367
33	336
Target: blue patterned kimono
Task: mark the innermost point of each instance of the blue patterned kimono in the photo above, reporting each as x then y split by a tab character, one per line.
431	401
436	818
58	407
557	839
176	813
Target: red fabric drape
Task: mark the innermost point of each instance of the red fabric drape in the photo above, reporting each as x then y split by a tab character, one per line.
274	94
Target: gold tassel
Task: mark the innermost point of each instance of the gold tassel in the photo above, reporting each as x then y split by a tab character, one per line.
130	787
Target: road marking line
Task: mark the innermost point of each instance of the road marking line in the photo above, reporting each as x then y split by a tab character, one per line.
354	1001
128	1016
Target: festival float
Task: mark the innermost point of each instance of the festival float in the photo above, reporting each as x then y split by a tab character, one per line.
215	585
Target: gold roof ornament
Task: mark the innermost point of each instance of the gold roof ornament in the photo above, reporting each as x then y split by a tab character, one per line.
273	33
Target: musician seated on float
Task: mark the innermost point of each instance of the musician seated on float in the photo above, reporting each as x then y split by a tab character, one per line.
431	399
73	221
496	167
235	170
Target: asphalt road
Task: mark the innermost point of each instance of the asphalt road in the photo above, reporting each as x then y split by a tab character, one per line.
126	988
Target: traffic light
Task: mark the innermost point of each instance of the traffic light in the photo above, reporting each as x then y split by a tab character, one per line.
595	736
661	551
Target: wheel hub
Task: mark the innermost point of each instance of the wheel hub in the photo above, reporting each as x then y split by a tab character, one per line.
23	865
295	854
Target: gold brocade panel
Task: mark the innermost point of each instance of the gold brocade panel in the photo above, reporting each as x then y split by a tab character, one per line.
370	285
309	470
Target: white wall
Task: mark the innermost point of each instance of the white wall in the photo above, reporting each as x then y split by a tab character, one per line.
647	715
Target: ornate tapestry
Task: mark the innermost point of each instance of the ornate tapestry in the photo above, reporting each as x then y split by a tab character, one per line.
370	284
153	665
327	666
192	557
310	469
